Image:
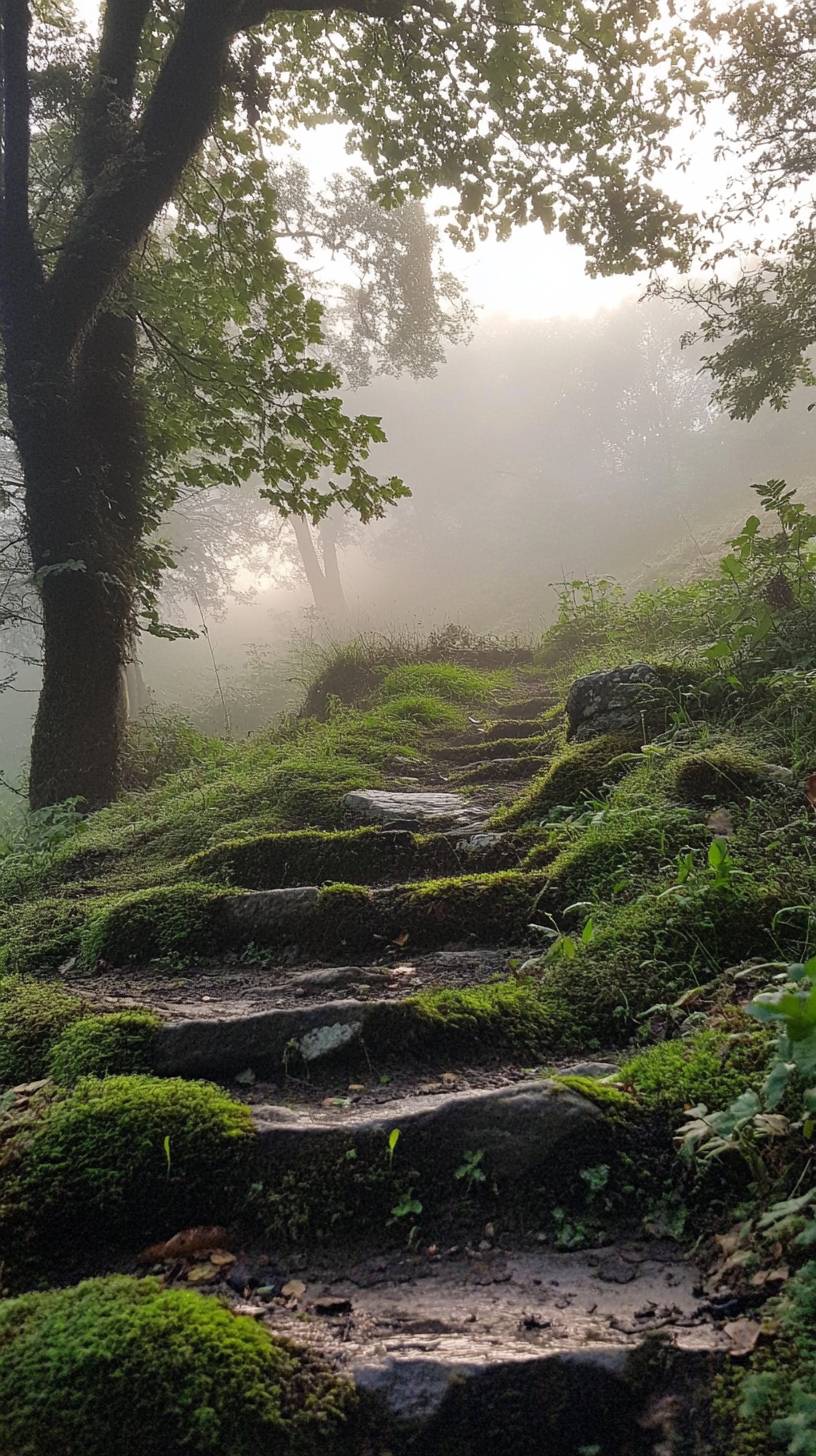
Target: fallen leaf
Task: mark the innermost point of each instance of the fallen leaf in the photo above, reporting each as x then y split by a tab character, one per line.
810	790
763	1277
252	1311
184	1245
336	1102
743	1334
401	939
720	822
222	1258
450	1079
202	1273
293	1289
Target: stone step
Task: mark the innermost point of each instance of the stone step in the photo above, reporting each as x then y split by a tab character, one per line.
515	1352
518	1130
417	807
501	770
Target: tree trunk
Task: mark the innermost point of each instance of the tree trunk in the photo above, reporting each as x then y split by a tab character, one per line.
82	444
323	578
80	716
137	693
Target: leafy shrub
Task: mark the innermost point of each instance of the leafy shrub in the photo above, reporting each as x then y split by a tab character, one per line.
164	744
32	1016
131	1155
122	1365
95	1046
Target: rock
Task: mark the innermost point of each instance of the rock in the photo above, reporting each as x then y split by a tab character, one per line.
610	701
325	1040
337	978
426	806
230	1045
589	1069
261	911
478	843
517	1128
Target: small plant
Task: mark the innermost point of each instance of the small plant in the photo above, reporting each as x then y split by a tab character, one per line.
393	1138
470	1170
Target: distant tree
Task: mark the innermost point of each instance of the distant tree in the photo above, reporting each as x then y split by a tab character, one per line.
126	379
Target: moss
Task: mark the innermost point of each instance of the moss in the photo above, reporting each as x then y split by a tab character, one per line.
612	1099
41	935
445	680
32	1016
180	919
510	1015
724	772
616	856
313	856
710	1067
487	907
96	1046
123	1365
579	770
127	1156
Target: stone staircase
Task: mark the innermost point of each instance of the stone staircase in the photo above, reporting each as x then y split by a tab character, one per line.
474	1333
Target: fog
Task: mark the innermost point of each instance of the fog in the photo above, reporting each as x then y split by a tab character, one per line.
540	450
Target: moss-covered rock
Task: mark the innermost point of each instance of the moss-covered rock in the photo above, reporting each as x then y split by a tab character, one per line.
96	1046
182	919
313	856
712	1067
40	936
580	770
124	1366
126	1157
615	857
723	773
33	1014
484	907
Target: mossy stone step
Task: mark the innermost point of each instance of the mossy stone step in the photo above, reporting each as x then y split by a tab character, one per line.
518	1130
501	770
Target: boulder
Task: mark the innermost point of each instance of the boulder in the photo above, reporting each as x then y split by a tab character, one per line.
611	702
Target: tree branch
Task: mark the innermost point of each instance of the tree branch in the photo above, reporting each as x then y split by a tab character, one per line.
107	111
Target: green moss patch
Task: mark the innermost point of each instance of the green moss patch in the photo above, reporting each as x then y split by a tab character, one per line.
484	907
122	1365
722	773
484	749
580	770
445	680
96	1046
710	1067
33	1014
180	919
313	856
127	1157
617	856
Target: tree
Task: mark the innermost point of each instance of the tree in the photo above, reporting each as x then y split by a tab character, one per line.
521	109
758	301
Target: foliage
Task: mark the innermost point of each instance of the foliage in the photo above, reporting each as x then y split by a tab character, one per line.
443	680
150	924
33	1015
123	1364
163	744
97	1160
96	1046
